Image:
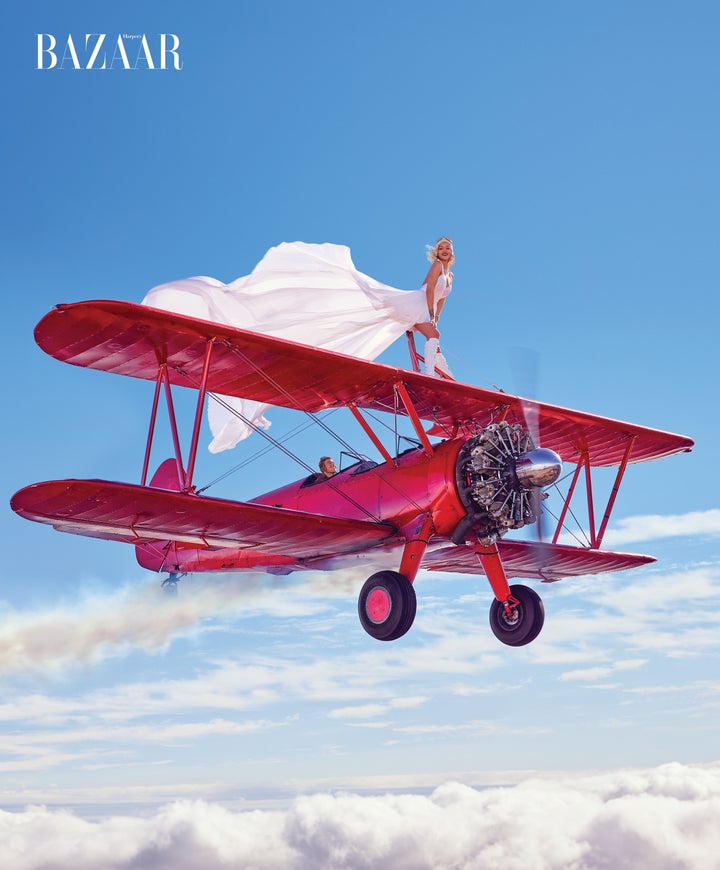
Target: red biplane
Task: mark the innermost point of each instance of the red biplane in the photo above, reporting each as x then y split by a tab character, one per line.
478	471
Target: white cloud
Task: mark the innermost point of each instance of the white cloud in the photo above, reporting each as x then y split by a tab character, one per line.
653	526
704	687
629	664
586	674
405	703
599	672
168	733
467	690
664	818
670	593
362	686
35	750
359	711
675	613
369	711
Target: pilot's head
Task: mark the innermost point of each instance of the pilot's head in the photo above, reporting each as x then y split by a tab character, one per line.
327	466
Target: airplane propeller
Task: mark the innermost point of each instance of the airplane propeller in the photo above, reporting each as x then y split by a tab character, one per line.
539	467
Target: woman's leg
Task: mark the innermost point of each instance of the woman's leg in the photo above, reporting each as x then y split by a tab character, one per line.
427	330
431	349
432	342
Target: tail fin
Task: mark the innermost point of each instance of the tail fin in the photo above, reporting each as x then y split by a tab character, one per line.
167	476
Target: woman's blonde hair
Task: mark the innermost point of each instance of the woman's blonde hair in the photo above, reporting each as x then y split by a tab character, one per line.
432	250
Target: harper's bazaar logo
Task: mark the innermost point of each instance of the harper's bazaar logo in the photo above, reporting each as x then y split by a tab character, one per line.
114	51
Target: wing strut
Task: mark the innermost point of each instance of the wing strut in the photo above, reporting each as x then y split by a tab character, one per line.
415	419
583	463
414	355
566	505
151	428
163	379
614	492
590	503
198	412
371	435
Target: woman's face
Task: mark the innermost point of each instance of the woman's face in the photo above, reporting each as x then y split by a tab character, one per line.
444	250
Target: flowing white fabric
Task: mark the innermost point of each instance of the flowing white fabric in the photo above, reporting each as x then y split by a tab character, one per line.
311	294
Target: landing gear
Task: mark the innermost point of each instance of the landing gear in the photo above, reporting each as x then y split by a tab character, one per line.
387	605
520	622
169	584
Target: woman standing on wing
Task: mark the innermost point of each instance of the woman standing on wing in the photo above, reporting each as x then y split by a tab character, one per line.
311	294
437	286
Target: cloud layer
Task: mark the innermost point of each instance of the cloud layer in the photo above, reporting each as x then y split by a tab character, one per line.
661	818
654	526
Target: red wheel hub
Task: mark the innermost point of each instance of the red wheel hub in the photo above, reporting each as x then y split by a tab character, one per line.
378	605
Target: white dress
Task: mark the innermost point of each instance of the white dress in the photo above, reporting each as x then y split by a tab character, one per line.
311	294
443	286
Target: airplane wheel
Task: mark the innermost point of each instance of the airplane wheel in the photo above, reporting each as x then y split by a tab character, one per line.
170	583
387	605
526	621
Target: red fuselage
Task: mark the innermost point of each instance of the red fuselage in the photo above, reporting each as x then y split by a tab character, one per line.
396	494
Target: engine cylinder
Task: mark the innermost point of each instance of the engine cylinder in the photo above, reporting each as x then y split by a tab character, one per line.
498	475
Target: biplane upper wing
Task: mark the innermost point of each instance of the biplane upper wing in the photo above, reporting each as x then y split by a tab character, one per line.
135	340
140	514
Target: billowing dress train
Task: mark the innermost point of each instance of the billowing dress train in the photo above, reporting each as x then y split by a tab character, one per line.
308	293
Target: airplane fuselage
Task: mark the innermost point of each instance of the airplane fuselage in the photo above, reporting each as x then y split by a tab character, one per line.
388	492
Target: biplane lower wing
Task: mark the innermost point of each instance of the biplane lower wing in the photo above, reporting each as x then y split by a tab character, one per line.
140	515
136	340
144	515
536	559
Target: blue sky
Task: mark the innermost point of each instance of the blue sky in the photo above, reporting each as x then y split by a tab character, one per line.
570	150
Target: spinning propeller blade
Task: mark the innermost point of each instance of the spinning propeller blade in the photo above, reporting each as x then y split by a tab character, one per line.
545	463
525	367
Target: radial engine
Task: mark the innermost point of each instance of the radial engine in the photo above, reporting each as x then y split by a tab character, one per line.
499	475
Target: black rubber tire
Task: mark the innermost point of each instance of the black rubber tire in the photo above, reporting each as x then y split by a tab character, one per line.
528	620
401	605
409	608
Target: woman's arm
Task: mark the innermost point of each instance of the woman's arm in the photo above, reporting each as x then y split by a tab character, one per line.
430	282
441	303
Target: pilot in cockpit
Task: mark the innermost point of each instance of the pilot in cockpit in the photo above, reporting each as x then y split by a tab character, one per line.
327	467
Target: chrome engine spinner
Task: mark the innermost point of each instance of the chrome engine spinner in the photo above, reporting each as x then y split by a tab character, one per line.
499	474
